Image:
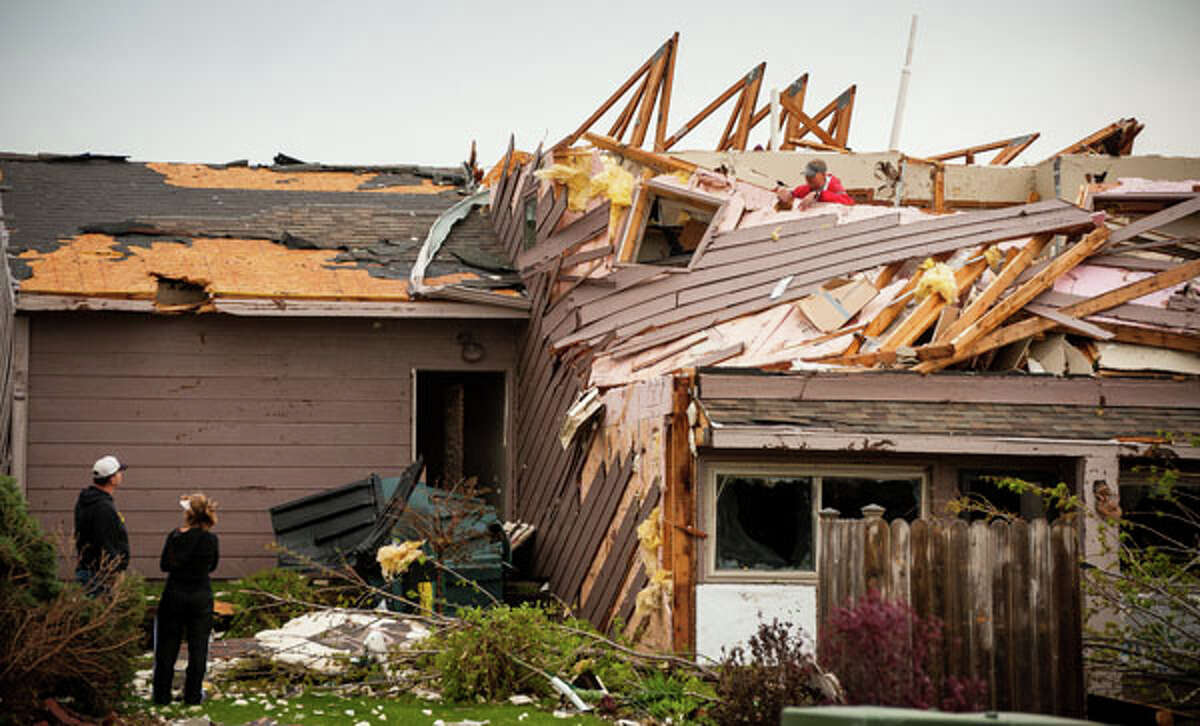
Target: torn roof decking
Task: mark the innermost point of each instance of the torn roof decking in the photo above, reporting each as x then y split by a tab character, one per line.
680	303
303	229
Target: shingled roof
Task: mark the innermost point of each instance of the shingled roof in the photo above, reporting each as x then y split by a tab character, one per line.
102	226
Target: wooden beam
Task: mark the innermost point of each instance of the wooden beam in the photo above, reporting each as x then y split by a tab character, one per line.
1007	276
1011	147
795	93
621	125
841	122
749	100
1075	325
1014	148
727	134
704	113
1090	306
659	162
927	311
664	102
1150	221
679	495
810	124
762	113
1025	293
587	124
1149	336
653	87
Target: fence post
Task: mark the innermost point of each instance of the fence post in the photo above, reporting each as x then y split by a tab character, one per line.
828	564
876	554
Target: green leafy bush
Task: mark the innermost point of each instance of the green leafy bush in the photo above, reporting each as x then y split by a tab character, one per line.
266	600
670	696
777	671
28	561
499	651
54	640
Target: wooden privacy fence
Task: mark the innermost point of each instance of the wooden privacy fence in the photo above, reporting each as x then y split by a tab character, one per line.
1007	594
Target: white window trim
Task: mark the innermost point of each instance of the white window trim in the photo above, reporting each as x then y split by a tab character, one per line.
708	512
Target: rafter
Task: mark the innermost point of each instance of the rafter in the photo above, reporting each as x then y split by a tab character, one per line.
748	85
1009	149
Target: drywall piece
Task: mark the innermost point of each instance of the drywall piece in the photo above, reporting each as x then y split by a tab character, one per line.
1012	356
1127	357
1078	364
832	306
728	614
586	406
1049	355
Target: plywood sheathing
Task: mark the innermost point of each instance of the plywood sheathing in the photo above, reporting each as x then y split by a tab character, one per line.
100	265
202	176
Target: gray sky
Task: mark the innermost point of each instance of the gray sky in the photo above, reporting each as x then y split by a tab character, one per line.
397	82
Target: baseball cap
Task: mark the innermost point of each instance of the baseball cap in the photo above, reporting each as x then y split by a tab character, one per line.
106	466
814	167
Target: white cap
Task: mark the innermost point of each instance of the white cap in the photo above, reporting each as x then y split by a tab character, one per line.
106	466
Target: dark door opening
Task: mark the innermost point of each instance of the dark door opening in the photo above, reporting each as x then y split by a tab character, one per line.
460	430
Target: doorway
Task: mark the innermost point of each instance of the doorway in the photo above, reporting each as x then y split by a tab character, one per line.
460	430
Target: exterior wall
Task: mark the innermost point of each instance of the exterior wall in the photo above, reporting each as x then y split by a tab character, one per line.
728	614
253	412
1063	176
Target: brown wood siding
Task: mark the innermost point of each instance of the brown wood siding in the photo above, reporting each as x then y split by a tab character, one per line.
253	412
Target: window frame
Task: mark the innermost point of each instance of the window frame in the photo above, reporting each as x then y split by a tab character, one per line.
710	470
636	220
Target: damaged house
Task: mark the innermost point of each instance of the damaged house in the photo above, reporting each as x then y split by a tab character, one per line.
706	370
257	333
665	372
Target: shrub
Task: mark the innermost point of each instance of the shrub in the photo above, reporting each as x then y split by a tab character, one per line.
266	600
28	561
669	697
54	640
495	652
779	670
903	647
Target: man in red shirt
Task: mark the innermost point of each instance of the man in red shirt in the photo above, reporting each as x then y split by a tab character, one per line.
821	187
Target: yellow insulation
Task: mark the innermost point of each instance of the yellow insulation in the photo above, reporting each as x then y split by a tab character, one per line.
937	277
395	559
994	257
652	597
614	182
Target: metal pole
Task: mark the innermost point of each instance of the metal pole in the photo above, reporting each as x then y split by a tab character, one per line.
894	144
774	119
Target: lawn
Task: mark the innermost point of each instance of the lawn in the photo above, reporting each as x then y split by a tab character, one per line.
311	710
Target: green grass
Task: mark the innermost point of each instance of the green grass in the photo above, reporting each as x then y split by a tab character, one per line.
312	710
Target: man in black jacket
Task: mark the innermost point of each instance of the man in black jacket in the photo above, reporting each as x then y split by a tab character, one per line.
101	542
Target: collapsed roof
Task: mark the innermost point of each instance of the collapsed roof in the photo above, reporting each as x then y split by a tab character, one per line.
645	261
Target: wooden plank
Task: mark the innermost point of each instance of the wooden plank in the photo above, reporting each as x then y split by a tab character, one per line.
1099	303
982	619
599	510
1003	587
1002	281
1066	321
679	498
957	604
587	124
1024	645
664	103
901	565
721	289
926	313
1150	221
1155	338
1068	607
994	317
612	574
705	112
588	227
640	580
877	557
937	541
749	100
759	241
116	432
660	162
1042	608
1132	312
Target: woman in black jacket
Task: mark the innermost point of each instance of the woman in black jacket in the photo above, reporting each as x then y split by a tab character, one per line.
190	553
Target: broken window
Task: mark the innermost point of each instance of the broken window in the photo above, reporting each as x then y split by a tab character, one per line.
670	224
765	518
1162	505
982	488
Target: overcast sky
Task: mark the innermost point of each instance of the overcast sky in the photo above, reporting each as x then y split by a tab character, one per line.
400	82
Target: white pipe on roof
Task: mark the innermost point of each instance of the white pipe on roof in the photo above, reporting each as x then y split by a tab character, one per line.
774	119
902	95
